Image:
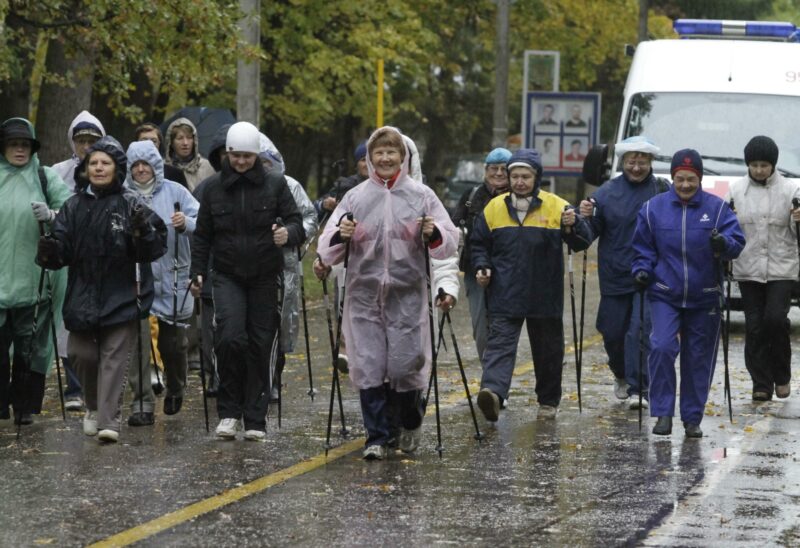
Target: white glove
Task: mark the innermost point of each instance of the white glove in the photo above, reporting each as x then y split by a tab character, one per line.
43	213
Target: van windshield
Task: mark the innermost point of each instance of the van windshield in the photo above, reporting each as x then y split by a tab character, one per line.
718	125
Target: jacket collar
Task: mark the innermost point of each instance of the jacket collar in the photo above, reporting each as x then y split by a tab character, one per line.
255	175
535	203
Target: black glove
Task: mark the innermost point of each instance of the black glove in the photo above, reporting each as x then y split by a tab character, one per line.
47	252
139	219
717	242
642	280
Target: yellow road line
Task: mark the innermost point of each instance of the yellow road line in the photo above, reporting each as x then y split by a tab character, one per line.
192	511
168	521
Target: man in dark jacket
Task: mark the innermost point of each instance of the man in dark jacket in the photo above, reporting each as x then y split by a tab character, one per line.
517	253
328	202
238	225
611	212
470	205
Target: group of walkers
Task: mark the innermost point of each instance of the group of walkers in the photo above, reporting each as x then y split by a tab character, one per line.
136	231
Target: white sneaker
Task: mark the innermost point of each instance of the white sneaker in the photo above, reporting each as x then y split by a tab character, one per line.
227	428
253	435
374	452
634	405
90	423
409	439
621	389
74	403
547	412
109	436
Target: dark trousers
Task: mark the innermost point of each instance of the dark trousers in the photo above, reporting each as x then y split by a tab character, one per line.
618	322
547	346
173	345
20	387
385	411
73	389
246	320
694	334
767	350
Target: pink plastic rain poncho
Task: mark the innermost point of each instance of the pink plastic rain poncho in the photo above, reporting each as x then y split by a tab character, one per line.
385	318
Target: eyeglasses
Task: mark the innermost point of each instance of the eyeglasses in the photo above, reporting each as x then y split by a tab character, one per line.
641	164
496	169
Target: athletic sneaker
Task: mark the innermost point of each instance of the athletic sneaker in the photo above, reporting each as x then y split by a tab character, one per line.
227	428
90	423
489	404
108	436
255	435
74	403
374	452
547	412
783	390
409	439
634	403
621	389
342	364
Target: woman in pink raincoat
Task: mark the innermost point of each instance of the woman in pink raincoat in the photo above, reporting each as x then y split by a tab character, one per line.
385	310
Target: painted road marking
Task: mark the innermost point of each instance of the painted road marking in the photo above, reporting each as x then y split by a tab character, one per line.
172	519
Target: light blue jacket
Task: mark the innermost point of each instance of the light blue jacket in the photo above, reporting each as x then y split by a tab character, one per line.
165	194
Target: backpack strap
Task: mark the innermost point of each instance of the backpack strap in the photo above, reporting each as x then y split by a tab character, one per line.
43	182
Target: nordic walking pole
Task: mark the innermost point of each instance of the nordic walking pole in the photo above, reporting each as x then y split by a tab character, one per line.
202	366
138	270
27	372
275	350
434	372
571	273
336	342
640	374
723	272
311	390
438	345
478	434
727	339
55	347
54	336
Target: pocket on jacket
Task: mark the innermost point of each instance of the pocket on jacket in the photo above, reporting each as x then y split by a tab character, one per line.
263	215
223	217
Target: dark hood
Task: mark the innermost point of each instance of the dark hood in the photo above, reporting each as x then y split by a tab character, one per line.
110	146
218	147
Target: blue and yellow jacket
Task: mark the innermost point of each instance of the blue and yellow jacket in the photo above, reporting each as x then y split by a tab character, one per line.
526	259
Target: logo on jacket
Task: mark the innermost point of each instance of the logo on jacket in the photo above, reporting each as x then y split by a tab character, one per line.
705	218
117	224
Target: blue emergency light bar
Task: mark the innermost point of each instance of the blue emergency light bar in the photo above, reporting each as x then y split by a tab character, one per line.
748	29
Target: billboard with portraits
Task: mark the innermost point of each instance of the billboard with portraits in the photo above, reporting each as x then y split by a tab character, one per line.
562	127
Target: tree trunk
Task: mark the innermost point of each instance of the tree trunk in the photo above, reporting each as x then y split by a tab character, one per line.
59	104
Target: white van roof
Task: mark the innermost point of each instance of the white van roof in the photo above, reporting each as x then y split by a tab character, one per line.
715	65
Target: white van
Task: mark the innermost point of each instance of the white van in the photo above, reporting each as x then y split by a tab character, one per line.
714	89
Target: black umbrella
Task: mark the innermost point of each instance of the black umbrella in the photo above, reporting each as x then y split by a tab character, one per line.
206	120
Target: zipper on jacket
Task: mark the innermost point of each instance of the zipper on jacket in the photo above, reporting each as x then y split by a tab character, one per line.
685	261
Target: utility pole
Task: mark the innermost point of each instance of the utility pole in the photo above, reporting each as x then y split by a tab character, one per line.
500	114
644	6
248	73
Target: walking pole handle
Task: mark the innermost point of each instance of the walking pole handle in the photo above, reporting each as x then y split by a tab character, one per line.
177	206
795	203
567	229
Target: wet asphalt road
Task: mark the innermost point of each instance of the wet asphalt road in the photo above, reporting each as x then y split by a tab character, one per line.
585	479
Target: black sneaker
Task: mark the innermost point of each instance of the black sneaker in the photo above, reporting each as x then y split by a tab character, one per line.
761	395
692	430
663	426
172	404
141	419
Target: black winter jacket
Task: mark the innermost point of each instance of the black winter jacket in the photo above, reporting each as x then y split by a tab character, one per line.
234	225
95	239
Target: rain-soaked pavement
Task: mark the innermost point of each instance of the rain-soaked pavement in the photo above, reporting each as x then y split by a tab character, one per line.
585	479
